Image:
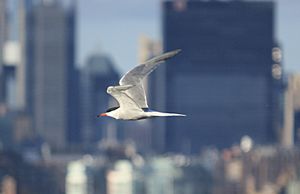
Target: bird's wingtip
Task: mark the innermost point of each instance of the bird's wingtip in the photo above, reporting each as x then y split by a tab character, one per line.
172	53
178	50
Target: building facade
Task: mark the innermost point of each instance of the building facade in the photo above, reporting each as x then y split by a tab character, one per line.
3	34
50	71
223	78
98	73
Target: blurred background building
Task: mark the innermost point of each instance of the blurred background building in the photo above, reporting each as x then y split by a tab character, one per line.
3	34
223	79
2	40
290	132
98	73
50	71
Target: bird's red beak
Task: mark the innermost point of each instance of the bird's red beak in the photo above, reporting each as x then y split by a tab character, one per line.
102	115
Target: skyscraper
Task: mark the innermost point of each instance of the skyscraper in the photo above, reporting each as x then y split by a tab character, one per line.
23	8
3	26
291	128
73	98
3	29
223	78
98	73
50	70
297	109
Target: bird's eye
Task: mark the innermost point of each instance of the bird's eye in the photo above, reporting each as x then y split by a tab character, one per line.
109	89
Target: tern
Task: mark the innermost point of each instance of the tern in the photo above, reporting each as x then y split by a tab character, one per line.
130	93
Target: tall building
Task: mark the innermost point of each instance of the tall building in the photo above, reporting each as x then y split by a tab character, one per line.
2	25
98	73
3	34
297	127
50	71
223	78
291	130
22	8
73	98
296	97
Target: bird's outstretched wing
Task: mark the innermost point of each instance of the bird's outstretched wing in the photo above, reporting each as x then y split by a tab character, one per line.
123	99
138	73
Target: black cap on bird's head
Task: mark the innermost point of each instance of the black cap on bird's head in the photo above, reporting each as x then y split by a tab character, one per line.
107	111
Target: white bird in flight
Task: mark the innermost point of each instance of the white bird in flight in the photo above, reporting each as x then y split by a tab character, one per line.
130	94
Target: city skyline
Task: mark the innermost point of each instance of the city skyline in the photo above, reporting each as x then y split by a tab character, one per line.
242	130
231	51
100	23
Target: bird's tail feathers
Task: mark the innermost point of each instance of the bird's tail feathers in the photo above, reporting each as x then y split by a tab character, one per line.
165	114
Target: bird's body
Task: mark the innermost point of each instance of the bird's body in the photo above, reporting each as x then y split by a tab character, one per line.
130	94
139	114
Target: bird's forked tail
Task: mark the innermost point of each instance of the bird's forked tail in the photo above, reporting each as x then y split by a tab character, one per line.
165	114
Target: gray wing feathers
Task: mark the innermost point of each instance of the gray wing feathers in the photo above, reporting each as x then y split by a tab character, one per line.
163	57
137	74
118	92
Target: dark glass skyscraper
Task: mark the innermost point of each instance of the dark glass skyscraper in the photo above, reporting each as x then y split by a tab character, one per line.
223	78
73	132
98	73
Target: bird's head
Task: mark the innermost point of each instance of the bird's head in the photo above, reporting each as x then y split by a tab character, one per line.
109	112
102	115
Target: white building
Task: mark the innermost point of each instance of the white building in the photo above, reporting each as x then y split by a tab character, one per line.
120	178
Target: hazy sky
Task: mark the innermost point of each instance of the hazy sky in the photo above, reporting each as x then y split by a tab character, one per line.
114	28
